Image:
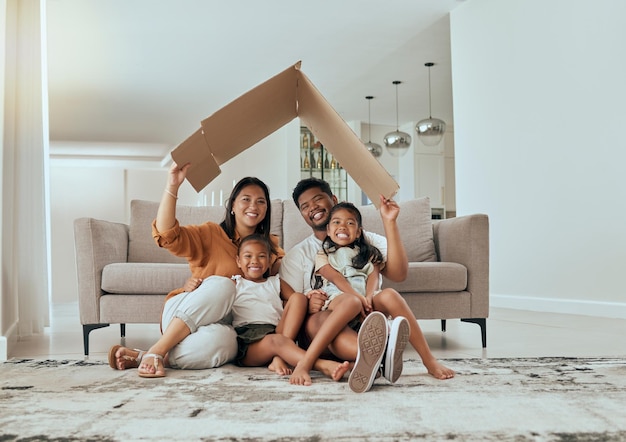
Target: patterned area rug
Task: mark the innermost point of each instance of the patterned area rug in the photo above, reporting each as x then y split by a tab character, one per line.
544	399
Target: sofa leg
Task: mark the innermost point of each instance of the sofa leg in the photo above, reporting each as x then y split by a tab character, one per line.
87	328
443	325
123	330
482	322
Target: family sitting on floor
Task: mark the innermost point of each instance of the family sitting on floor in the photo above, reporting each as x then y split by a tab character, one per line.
319	306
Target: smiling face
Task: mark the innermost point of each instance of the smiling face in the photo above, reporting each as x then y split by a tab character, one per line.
254	260
343	227
315	207
250	208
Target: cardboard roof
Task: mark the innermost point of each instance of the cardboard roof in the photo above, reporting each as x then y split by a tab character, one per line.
265	109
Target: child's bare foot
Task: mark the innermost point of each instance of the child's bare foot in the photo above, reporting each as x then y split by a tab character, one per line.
439	371
300	376
338	370
279	367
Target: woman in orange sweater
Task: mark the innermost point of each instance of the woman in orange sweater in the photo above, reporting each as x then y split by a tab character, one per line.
197	333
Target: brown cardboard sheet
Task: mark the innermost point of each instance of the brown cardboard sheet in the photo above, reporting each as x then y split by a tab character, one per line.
265	109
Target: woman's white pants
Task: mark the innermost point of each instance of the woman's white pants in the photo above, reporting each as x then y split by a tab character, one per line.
206	311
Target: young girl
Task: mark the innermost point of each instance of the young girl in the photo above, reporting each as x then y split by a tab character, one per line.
347	250
358	264
259	317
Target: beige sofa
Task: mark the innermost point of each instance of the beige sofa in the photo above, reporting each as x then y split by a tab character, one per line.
123	276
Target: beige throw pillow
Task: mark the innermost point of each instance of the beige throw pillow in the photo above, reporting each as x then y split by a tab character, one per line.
415	224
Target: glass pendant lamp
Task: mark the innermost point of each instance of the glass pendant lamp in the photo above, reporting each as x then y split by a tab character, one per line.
397	142
430	130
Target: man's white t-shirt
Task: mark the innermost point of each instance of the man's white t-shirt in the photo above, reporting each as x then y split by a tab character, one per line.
296	267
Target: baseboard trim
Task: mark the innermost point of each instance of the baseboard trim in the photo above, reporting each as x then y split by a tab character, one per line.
4	349
564	306
6	341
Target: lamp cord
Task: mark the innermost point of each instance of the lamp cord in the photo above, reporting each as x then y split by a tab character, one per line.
369	119
429	98
397	120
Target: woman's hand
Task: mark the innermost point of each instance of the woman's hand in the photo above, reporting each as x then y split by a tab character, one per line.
176	176
191	284
317	298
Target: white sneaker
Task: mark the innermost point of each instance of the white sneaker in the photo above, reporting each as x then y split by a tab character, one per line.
372	340
399	331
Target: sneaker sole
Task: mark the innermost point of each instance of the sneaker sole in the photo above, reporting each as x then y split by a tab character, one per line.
398	338
372	340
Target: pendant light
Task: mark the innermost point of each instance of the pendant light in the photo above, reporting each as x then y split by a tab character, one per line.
430	130
375	149
397	142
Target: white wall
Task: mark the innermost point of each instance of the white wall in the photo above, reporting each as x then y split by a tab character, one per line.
539	111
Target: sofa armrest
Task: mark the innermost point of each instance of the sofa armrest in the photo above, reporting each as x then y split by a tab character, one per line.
97	243
465	240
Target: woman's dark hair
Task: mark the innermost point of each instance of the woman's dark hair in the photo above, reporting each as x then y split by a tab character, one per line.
310	183
263	227
367	252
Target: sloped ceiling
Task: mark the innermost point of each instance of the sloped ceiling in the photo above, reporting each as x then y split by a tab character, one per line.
145	72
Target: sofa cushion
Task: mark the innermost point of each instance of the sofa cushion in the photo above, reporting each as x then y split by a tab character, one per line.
431	277
143	248
140	278
294	226
415	225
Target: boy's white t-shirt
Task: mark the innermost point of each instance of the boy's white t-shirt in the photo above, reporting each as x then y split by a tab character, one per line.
297	265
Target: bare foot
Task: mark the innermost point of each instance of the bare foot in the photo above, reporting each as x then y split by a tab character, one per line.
122	358
300	376
279	367
336	370
439	371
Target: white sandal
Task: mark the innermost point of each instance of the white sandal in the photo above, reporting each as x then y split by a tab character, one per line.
155	358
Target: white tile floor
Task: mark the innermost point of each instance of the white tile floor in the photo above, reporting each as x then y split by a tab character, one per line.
510	333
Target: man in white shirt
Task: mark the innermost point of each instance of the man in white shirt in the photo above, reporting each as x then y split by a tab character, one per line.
314	199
